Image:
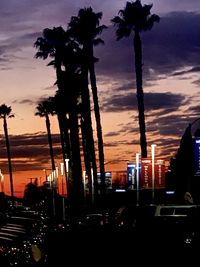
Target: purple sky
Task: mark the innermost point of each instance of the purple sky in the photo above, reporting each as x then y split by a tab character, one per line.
171	56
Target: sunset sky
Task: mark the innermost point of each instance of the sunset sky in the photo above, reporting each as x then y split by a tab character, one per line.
171	68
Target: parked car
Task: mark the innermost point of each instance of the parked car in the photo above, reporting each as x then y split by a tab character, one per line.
174	225
129	218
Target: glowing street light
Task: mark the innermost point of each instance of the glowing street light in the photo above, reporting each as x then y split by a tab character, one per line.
84	183
92	177
62	168
53	174
67	165
67	175
153	171
62	175
137	155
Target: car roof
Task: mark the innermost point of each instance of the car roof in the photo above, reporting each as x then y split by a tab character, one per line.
173	210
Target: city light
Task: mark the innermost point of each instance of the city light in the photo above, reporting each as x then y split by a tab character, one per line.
153	170
137	175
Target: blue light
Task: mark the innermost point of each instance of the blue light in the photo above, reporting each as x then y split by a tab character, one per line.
120	190
170	192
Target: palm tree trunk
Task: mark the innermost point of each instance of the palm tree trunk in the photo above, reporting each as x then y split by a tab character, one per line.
86	155
62	140
77	186
98	122
63	125
50	142
88	128
140	94
9	160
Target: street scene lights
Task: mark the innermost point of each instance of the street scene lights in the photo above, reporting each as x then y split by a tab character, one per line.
137	175
84	183
67	174
62	176
153	170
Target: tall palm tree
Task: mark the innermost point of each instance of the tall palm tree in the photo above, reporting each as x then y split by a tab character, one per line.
135	18
56	44
85	28
43	110
6	112
60	110
52	44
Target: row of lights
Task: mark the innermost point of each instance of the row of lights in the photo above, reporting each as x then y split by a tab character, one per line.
52	178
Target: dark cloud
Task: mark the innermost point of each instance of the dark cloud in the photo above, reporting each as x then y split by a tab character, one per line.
25	101
191	70
195	109
166	6
29	151
172	47
111	134
196	82
153	101
167	48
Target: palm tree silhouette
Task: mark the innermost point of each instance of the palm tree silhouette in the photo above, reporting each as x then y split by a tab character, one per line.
56	44
85	28
136	18
52	44
43	110
6	112
58	103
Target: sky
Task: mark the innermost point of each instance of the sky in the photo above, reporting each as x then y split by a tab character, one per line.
171	67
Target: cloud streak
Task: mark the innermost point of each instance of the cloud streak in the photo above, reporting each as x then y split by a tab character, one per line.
29	151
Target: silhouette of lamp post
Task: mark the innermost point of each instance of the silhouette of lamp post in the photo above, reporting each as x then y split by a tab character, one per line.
62	176
84	183
56	180
153	171
137	155
53	192
67	175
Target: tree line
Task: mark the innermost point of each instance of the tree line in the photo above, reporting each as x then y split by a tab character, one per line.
71	53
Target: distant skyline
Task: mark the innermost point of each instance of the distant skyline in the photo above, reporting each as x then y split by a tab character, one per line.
171	58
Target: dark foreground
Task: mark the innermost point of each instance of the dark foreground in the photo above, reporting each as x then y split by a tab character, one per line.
124	235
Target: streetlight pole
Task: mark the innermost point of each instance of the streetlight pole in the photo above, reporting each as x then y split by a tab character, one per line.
153	171
67	175
137	177
92	177
84	183
62	175
53	193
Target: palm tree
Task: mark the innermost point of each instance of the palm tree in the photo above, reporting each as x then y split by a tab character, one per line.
6	112
43	110
85	28
58	103
56	44
136	18
52	44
